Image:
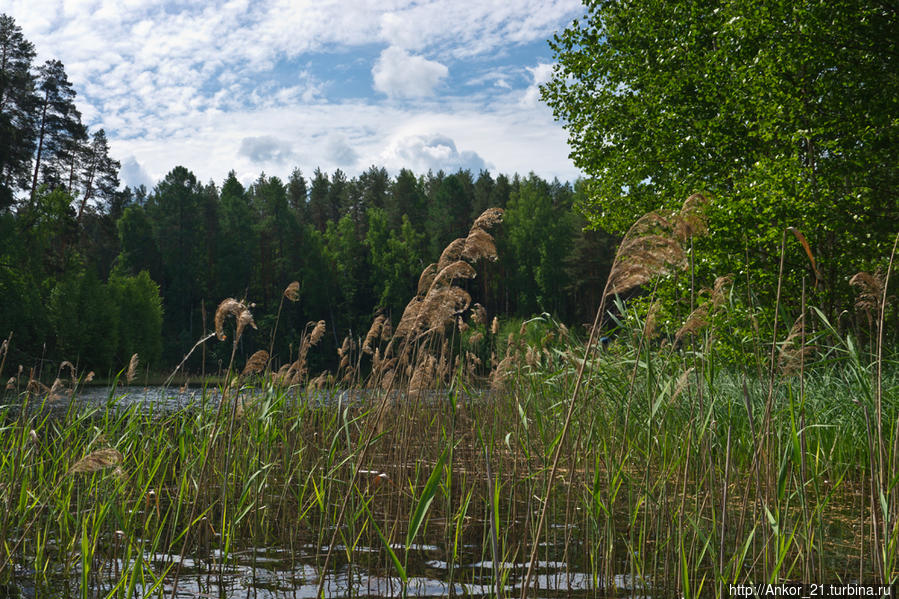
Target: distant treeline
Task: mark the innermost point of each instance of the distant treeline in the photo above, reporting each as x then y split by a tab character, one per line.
144	271
93	273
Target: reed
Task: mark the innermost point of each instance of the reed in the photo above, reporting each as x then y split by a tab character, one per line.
658	460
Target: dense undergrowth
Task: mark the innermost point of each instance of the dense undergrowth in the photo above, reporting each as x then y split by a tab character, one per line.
656	457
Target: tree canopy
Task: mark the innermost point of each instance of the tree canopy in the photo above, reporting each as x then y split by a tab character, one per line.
784	112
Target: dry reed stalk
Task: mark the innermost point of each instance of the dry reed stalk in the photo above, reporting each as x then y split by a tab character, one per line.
461	324
423	375
682	381
292	291
697	320
70	367
256	363
426	278
658	256
451	253
447	275
36	387
501	373
440	307
488	219
97	460
651	323
531	357
870	291
132	369
475	338
4	351
700	317
479	245
323	380
793	354
57	390
241	313
479	314
373	334
317	333
494	326
346	347
691	221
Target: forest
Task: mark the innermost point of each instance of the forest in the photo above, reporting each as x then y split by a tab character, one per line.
92	273
672	377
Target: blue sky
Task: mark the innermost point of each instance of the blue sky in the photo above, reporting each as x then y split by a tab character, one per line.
269	86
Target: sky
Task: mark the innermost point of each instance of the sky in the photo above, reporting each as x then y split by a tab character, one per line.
267	86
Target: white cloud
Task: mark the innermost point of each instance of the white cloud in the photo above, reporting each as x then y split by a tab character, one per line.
133	174
400	74
196	83
265	149
432	152
540	75
339	151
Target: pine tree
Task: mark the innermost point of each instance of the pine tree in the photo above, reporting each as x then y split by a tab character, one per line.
59	124
17	104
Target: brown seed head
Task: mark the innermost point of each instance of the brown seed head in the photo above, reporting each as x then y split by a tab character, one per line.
132	369
374	331
870	287
97	460
256	363
292	291
317	333
229	306
456	270
426	278
451	253
488	219
479	245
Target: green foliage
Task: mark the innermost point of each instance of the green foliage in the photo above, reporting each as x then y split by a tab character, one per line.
769	107
397	258
539	229
85	318
139	310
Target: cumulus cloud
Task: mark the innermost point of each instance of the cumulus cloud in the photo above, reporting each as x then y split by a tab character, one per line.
339	151
133	174
540	74
400	74
430	152
265	149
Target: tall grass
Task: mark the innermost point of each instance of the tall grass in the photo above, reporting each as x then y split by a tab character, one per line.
519	459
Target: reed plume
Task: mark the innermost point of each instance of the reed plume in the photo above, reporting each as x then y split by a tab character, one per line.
479	245
870	291
317	333
426	278
455	270
793	351
700	317
479	314
241	313
97	460
374	333
292	291
132	369
451	253
70	367
256	363
488	219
